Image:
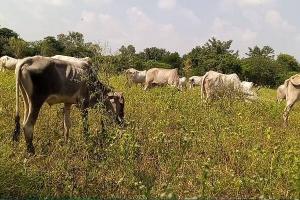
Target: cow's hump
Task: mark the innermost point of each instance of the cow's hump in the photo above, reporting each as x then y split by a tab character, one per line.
295	80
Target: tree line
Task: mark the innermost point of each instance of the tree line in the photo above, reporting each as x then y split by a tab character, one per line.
260	65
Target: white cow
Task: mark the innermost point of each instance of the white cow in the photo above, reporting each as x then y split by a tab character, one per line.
195	80
215	82
182	83
136	76
7	62
161	76
292	95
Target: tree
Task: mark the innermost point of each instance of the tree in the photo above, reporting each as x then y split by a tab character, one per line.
287	62
5	35
19	47
260	67
8	33
74	45
266	51
172	59
50	46
214	55
154	53
260	70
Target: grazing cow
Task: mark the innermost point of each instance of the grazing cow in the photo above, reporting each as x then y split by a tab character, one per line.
213	82
44	79
247	87
136	76
195	80
182	83
161	76
292	95
7	62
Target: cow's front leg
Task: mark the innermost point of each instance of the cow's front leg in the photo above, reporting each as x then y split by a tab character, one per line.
67	121
84	116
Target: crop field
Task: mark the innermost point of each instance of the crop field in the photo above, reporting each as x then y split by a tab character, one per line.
174	146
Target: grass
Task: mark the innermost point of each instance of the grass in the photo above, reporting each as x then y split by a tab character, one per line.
174	146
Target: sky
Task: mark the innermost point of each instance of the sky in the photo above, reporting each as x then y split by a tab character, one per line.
176	25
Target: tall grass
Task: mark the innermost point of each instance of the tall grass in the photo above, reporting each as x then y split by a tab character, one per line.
174	146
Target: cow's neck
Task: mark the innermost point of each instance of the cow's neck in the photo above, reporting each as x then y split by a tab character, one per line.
11	63
98	93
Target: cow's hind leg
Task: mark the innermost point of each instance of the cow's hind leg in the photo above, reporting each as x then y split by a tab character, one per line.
33	113
67	121
287	110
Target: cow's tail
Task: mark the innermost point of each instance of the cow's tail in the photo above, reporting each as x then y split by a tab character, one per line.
203	92
16	132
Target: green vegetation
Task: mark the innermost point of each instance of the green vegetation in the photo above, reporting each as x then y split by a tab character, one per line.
174	146
259	64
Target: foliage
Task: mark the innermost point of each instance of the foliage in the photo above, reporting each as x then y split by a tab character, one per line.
214	55
51	47
5	35
261	70
266	51
287	62
74	45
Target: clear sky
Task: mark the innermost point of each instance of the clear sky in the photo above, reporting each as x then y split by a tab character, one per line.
177	25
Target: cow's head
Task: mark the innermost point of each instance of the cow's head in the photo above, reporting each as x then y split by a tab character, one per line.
115	104
3	61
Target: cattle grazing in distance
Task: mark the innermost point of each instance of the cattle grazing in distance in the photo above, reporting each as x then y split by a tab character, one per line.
195	80
214	82
8	63
135	76
292	95
160	76
47	80
182	83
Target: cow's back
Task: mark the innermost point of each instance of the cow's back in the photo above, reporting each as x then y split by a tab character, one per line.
56	79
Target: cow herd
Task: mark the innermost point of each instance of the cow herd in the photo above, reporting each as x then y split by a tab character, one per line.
211	84
69	80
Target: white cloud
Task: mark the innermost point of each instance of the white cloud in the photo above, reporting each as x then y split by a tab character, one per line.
189	15
139	19
243	37
145	32
274	18
166	4
101	26
244	3
88	16
57	3
102	2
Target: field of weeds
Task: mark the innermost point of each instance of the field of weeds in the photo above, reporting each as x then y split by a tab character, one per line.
174	147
